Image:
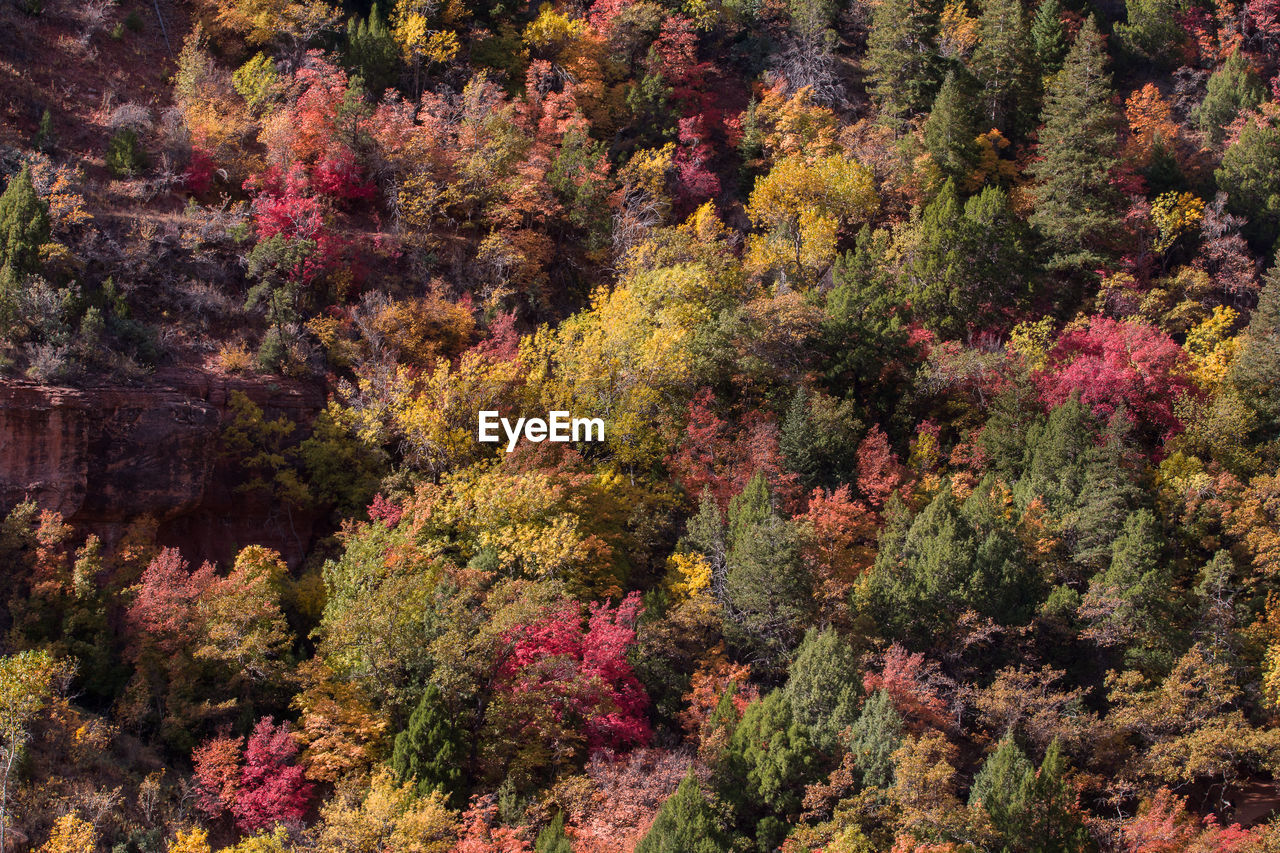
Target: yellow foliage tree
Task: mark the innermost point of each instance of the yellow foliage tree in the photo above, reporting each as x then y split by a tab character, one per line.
71	834
799	209
389	817
194	840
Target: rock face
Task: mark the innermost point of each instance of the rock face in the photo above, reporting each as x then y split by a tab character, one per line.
102	456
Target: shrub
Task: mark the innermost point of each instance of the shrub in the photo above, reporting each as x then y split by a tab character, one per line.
125	154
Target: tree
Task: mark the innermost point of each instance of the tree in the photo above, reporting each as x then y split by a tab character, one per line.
1151	30
71	834
950	129
684	824
873	739
1075	203
769	761
551	838
429	751
1255	374
902	57
372	52
1233	89
271	787
1246	177
1002	62
768	593
822	686
28	682
24	228
1003	788
1047	38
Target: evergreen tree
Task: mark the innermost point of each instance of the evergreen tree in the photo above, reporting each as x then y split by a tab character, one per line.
1125	605
902	56
1151	31
822	686
1054	823
44	140
1003	787
1076	207
1247	176
768	592
934	271
768	763
552	838
1002	63
429	751
372	52
819	439
1048	39
1255	374
24	228
684	824
873	739
950	129
1232	89
864	342
705	533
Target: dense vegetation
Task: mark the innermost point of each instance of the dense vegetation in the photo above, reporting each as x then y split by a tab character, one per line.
938	345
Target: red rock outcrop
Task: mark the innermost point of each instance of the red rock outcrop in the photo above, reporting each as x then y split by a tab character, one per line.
102	456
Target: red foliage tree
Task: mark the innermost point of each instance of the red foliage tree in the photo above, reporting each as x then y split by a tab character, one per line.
272	788
1114	363
164	609
905	677
880	472
1166	827
584	674
217	774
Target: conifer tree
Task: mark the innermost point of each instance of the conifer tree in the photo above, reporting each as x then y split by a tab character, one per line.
822	686
950	130
1232	89
902	56
552	838
1247	176
1048	39
1126	605
1002	63
1003	787
873	739
372	52
1076	206
429	751
1053	823
24	228
684	824
1255	374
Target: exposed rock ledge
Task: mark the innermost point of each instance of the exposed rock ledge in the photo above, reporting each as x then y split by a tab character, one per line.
104	455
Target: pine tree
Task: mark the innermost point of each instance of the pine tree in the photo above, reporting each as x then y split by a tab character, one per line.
1247	176
1048	39
372	52
822	686
1002	63
819	439
1255	375
769	761
1076	206
684	824
768	592
934	270
1003	787
902	56
1054	824
1232	89
873	739
429	751
950	130
24	228
552	838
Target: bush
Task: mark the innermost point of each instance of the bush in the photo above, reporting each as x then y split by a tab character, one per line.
125	154
133	22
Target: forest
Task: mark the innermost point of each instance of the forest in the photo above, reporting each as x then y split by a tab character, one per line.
937	344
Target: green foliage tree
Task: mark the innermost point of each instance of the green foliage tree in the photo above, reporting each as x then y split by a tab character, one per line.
1076	205
430	753
950	129
1231	90
1003	788
1247	176
1151	29
1255	374
1031	809
24	228
822	686
1002	62
551	839
28	681
372	52
685	824
768	594
769	761
873	739
902	57
125	155
1048	39
818	439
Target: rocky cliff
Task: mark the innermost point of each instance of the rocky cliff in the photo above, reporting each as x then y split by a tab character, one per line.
102	456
